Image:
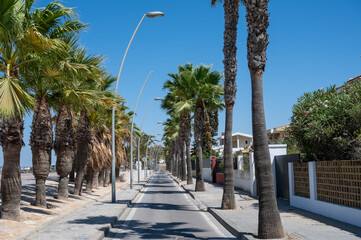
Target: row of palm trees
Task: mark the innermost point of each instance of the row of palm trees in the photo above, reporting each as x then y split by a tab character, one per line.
193	93
44	70
179	106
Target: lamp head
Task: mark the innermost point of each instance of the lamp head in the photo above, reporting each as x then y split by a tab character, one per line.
159	122
154	14
158	99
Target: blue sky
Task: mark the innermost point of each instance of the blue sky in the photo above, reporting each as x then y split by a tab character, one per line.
313	44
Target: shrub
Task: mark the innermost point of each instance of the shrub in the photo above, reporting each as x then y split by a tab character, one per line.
326	124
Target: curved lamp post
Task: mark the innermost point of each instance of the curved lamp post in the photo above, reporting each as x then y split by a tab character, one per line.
131	133
150	15
141	127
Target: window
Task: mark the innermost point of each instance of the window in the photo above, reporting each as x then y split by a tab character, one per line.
246	142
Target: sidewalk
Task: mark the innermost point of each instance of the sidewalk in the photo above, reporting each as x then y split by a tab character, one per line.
243	222
93	222
34	219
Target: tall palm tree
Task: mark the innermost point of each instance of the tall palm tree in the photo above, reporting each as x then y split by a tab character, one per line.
204	85
231	15
178	94
269	221
19	42
171	133
56	22
76	94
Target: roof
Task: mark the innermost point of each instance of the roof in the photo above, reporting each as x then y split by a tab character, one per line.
278	129
354	78
238	134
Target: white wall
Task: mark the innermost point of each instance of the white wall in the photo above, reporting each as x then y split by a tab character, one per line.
246	180
331	210
241	179
276	150
207	174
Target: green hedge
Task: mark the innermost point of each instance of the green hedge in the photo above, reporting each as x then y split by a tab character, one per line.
326	124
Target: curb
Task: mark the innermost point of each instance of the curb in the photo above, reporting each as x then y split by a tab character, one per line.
229	227
83	207
61	217
110	225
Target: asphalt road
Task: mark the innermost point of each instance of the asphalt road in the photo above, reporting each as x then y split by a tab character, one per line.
164	211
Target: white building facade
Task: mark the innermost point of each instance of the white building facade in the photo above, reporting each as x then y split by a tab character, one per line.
239	142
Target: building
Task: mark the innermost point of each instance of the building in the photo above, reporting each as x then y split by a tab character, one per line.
239	142
277	135
353	79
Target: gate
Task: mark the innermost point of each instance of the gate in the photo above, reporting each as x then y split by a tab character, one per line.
282	182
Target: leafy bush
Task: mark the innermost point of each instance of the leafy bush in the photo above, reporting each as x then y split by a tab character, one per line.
326	124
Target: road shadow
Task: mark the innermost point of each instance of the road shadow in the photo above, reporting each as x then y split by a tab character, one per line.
144	230
162	192
164	206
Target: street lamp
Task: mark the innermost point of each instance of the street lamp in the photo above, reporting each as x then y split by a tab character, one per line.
131	133
150	15
141	126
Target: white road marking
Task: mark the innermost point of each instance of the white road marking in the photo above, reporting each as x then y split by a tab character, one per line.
205	217
129	218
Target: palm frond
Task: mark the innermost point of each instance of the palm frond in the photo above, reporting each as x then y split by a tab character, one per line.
14	101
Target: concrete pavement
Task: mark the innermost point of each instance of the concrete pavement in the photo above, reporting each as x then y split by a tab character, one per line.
92	222
164	211
243	222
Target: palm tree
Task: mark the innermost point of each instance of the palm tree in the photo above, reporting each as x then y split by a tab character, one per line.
269	221
56	22
180	94
204	85
19	43
171	133
231	15
76	94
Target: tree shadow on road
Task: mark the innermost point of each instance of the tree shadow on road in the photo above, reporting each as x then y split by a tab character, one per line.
137	229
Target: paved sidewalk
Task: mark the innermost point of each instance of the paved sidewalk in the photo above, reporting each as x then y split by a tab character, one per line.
92	222
243	222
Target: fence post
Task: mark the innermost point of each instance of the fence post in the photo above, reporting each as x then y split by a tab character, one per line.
312	180
252	174
291	180
240	162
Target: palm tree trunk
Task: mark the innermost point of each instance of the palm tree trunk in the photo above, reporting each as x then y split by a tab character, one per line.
269	221
228	199
189	163
101	177
198	129
231	15
89	178
174	163
72	175
96	179
107	177
183	162
64	149
83	137
182	135
11	140
117	174
179	157
188	129
41	142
